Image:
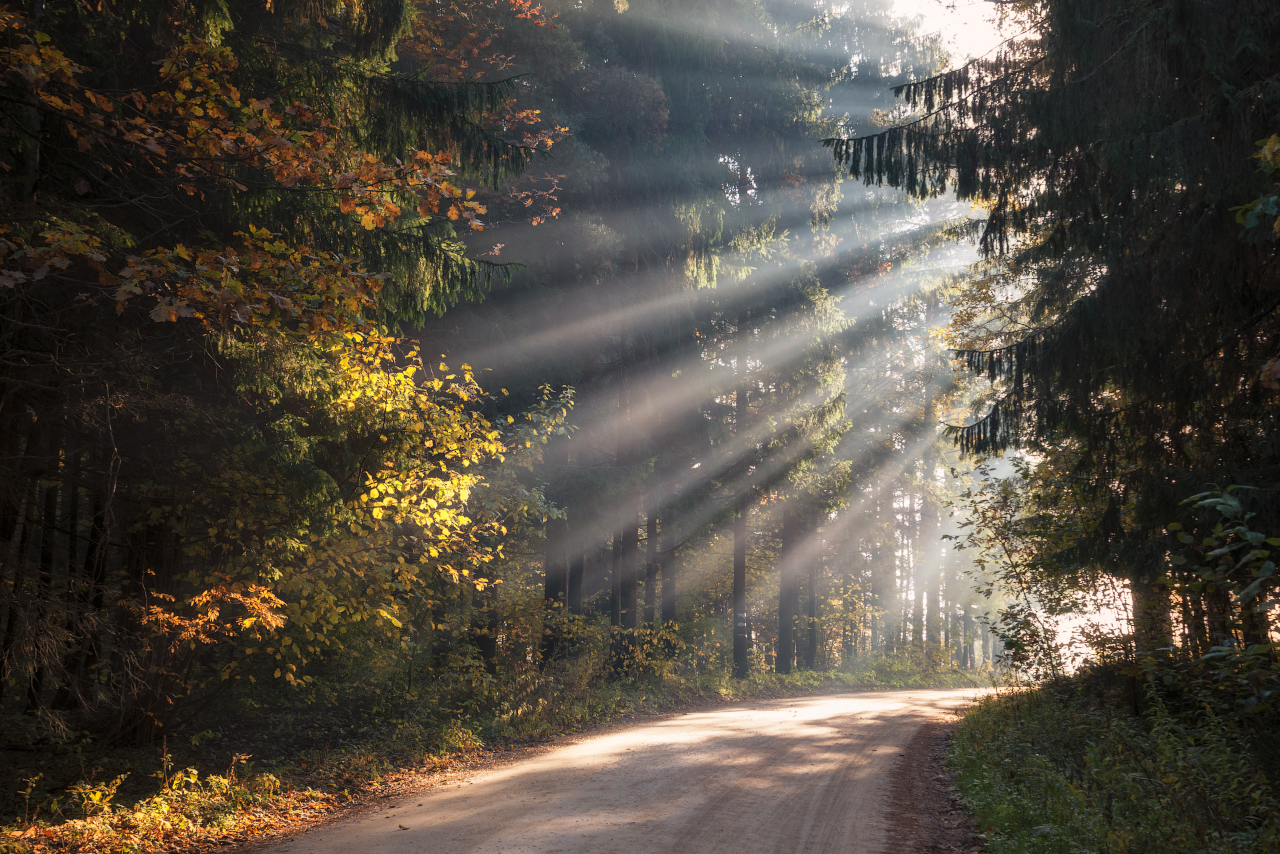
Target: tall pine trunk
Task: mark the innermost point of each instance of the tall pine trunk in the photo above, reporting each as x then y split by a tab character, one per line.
786	646
741	629
650	567
811	648
630	571
555	565
667	561
615	581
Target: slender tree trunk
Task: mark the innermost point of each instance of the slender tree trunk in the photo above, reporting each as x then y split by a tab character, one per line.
849	627
811	648
883	581
741	629
95	573
555	566
615	580
10	500
949	590
1196	625
786	645
937	559
630	571
577	569
63	699
667	559
919	567
968	638
650	567
1152	626
19	562
1217	607
1254	625
48	533
486	627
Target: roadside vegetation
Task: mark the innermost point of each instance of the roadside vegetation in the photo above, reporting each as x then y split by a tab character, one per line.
1073	767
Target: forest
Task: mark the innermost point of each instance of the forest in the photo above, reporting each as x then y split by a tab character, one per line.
384	382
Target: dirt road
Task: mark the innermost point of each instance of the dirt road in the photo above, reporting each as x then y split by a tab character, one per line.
802	775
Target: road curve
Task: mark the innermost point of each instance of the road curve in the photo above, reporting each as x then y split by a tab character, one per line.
802	775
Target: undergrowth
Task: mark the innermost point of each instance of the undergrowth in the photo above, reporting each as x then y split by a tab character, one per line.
1051	770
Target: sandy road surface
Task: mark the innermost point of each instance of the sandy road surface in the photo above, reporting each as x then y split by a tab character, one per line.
801	775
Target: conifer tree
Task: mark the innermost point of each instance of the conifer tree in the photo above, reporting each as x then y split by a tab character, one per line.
1111	145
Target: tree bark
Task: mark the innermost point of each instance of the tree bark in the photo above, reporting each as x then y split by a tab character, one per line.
1152	626
667	560
48	532
630	571
741	629
811	648
577	569
650	567
555	566
786	645
918	569
615	582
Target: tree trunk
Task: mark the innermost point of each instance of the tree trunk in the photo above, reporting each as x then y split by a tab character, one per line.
577	569
19	562
883	582
48	532
786	645
811	648
1254	625
650	567
555	565
485	627
933	591
615	581
741	630
1152	626
630	571
918	569
667	560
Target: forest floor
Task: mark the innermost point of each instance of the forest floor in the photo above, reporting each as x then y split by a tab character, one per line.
859	773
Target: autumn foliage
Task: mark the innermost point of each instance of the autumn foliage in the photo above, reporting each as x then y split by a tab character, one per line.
222	459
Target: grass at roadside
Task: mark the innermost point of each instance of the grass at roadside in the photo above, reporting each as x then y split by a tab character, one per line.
1046	771
237	800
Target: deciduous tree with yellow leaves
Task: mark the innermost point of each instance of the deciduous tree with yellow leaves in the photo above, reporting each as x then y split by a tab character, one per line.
219	457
